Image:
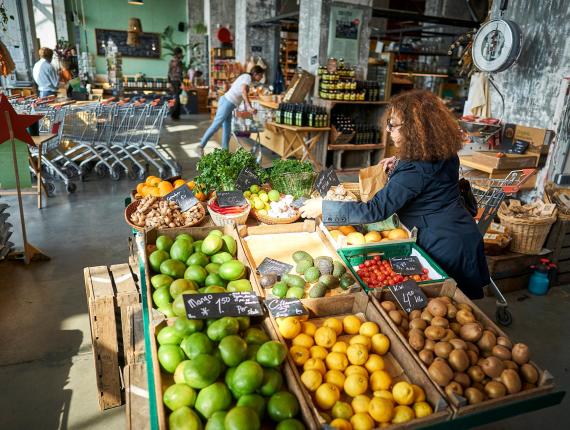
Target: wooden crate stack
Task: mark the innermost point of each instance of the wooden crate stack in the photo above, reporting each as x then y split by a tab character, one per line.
109	291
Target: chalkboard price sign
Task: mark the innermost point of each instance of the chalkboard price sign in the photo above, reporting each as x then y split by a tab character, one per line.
230	198
409	295
406	265
203	306
326	179
285	307
269	265
246	178
184	198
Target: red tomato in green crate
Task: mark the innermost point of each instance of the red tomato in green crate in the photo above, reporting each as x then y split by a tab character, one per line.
376	273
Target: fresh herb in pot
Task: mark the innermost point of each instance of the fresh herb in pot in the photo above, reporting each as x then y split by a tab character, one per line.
292	177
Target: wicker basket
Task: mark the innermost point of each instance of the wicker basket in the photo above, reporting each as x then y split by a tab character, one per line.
228	219
528	234
132	207
271	220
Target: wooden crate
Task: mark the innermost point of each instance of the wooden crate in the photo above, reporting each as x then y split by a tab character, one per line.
508	161
135	335
511	270
163	381
136	397
558	241
449	288
109	292
399	362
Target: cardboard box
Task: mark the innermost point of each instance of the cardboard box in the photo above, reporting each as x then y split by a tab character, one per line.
299	88
539	138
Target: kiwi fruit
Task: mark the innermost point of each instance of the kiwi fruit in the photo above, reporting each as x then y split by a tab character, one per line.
454	388
492	366
426	356
529	373
520	353
416	313
462	378
458	360
473	357
430	344
503	341
501	352
418	323
471	332
495	389
435	333
445	299
388	306
464	316
437	308
455	327
439	322
448	335
528	386
474	396
440	372
416	339
511	380
443	349
510	364
458	344
487	341
464	306
396	317
451	310
426	315
476	373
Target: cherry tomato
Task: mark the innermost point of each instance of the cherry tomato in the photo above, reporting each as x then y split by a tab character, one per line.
377	258
361	266
424	278
425	271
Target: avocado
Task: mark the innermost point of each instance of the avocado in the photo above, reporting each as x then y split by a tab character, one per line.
318	290
338	269
346	281
301	255
312	274
303	265
329	281
295	281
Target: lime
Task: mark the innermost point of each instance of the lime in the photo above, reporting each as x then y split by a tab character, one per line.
186	327
248	377
274	195
282	405
255	336
198	258
161	280
213	398
156	258
169	336
181	249
244	323
184	418
233	350
214	279
179	395
254	189
196	273
169	356
173	268
295	292
272	382
196	344
253	401
271	354
290	424
279	289
161	297
216	421
167	311
215	232
241	418
212	268
201	371
164	243
185	236
181	285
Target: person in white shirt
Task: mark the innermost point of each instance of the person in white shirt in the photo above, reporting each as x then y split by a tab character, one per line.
45	75
228	102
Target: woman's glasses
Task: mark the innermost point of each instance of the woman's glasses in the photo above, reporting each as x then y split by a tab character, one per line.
391	126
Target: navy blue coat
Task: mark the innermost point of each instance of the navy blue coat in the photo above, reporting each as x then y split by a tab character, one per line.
426	195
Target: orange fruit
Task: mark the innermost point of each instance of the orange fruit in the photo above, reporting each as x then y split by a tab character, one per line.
155	192
335	377
419	393
369	329
374	363
402	414
359	370
351	324
340	347
308	328
340	424
422	409
360	404
336	361
325	336
140	187
327	395
318	352
312	379
381	409
380	380
346	229
357	354
289	327
362	421
315	364
164	187
153	181
397	233
201	196
364	340
355	238
191	184
336	234
299	354
335	324
179	183
380	344
355	384
146	190
303	340
385	233
372	237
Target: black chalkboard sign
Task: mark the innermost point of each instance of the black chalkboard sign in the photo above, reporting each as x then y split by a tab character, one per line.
326	179
406	265
246	178
286	307
143	50
519	147
269	265
184	198
298	202
230	198
409	295
202	306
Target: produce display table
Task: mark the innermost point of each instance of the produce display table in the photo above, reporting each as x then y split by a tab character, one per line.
299	139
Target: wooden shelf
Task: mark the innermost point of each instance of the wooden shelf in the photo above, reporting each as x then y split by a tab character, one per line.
435	75
347	102
354	147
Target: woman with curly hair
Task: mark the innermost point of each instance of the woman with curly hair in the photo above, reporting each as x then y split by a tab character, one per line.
423	190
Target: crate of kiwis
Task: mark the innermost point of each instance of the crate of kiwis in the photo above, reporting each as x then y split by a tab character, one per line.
473	363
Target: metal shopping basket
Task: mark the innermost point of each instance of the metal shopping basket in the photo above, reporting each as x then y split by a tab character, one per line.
489	194
245	123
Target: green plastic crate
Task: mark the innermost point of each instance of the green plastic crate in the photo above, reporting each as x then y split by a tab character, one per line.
356	255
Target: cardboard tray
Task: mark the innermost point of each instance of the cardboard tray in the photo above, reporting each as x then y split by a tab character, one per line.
280	241
197	233
399	362
163	381
341	243
509	161
460	407
353	256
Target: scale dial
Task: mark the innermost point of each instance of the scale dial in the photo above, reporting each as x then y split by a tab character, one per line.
497	45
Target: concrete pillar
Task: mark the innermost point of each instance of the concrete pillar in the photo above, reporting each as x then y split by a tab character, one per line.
314	24
60	20
257	41
198	41
218	13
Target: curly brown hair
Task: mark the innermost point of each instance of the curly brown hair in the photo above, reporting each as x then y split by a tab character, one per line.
429	131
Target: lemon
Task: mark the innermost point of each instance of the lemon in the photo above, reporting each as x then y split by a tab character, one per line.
336	377
289	327
402	414
385	394
351	324
374	363
381	409
299	354
357	354
303	340
360	404
335	324
380	380
354	369
315	364
263	196
403	393
247	194
339	347
325	336
342	410
380	344
355	384
337	361
363	340
362	421
318	352
254	189
308	328
419	393
312	379
369	329
258	204
422	409
341	424
327	395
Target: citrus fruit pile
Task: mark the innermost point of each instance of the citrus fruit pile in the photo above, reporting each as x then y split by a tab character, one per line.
343	365
377	273
185	265
227	375
353	237
156	187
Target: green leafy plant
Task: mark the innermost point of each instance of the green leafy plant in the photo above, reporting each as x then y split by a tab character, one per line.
219	169
194	50
292	177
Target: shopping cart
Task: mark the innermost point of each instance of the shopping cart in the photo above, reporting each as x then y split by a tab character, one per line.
245	123
489	194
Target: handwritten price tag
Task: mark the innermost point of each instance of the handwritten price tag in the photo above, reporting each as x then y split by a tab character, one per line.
285	307
409	295
203	306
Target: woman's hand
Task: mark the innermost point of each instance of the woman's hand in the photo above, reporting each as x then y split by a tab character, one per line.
312	208
388	163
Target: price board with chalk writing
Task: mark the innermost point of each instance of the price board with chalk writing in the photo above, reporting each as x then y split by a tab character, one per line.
326	179
246	178
227	199
285	307
269	265
184	198
406	265
409	295
203	306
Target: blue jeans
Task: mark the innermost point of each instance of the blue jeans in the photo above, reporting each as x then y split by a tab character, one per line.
47	93
223	119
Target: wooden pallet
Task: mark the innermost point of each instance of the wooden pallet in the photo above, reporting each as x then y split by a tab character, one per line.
136	397
109	292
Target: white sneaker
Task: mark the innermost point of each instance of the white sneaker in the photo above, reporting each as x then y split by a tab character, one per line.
200	151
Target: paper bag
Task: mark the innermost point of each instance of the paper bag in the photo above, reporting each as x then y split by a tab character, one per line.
371	180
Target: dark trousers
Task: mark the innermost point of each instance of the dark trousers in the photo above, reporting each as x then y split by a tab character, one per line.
175	111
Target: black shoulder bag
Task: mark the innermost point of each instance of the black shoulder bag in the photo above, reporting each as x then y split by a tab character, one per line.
467	197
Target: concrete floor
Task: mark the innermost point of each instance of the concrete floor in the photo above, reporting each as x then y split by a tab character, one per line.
46	364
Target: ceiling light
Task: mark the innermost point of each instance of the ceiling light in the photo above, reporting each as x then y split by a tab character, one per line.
137	2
